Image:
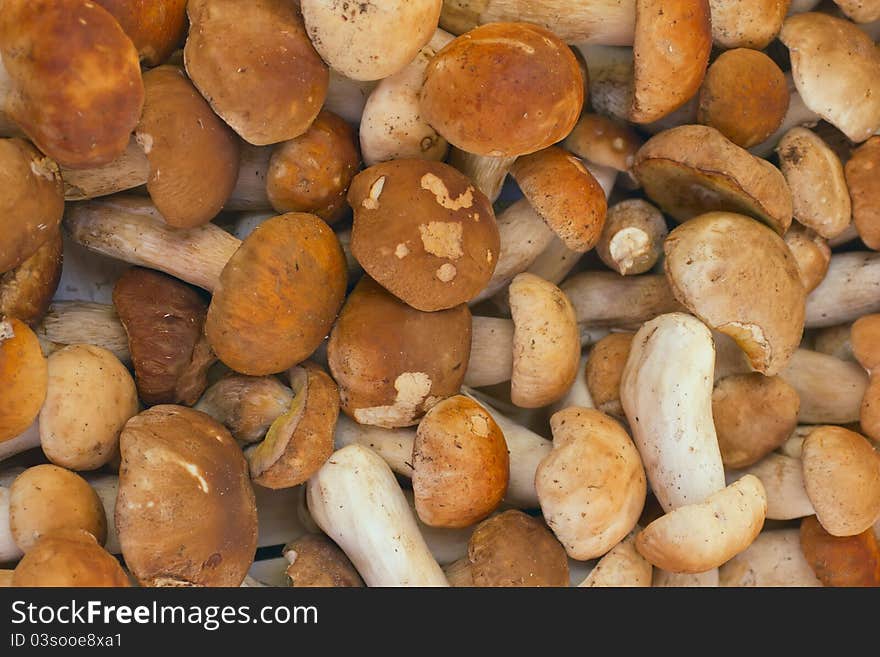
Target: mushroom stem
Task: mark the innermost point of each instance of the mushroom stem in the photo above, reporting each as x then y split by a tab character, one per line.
29	439
491	359
9	551
783	479
848	291
487	173
249	193
395	446
130	169
83	322
347	97
830	389
604	299
611	72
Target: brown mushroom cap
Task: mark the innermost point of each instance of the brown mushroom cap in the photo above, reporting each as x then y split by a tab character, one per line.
163	318
24	376
246	405
460	464
392	362
424	232
46	498
193	155
566	195
278	295
300	440
602	140
156	28
740	279
860	11
841	560
68	558
744	97
865	339
503	89
671	50
255	65
604	371
842	478
316	561
80	103
186	513
312	172
863	179
811	253
31	201
27	290
754	414
747	23
849	99
694	169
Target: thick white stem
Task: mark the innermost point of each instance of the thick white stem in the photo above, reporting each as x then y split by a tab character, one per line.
83	322
848	291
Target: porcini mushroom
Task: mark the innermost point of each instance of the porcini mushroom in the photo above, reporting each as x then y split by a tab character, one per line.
604	141
155	28
865	337
316	561
246	405
24	376
27	290
774	558
68	558
811	252
783	480
746	23
847	292
861	179
830	389
632	238
604	371
621	566
841	560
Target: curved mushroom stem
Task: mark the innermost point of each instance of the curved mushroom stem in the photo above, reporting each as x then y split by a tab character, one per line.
130	169
603	299
83	322
848	291
487	173
29	439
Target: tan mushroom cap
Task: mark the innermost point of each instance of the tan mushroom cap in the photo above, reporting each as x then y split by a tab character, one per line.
754	414
156	28
841	560
27	290
604	371
24	376
69	558
862	172
31	201
566	195
744	96
865	340
671	50
80	103
316	561
694	169
278	295
747	23
392	363
46	498
860	11
739	277
300	440
842	478
246	405
602	140
460	464
503	89
811	253
254	63
164	319
193	155
185	514
424	232
632	238
849	99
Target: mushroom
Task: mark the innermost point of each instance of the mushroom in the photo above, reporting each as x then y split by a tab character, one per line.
850	99
395	446
632	238
665	579
487	173
811	253
316	561
255	65
503	89
604	371
865	337
45	498
26	291
848	291
592	485
9	551
80	109
69	558
861	179
697	537
775	558
604	141
128	170
491	357
783	480
393	363
669	410
841	560
23	377
246	405
185	513
860	11
622	566
830	389
87	275
156	28
798	114
355	499
835	341
715	264
83	322
746	23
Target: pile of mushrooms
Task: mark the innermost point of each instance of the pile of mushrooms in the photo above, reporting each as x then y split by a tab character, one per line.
440	293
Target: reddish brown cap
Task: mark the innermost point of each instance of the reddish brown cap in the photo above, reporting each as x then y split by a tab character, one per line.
27	290
156	28
841	560
24	376
68	558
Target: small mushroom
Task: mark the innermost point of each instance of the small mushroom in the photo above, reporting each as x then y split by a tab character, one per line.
632	238
865	337
604	371
155	28
604	299
246	405
23	377
775	558
316	561
841	560
69	558
830	389
746	23
811	253
604	141
861	178
621	566
27	290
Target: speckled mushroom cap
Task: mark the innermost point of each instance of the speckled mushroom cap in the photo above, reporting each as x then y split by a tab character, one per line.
424	232
24	376
68	558
392	362
27	290
185	514
747	23
255	65
80	103
503	89
156	28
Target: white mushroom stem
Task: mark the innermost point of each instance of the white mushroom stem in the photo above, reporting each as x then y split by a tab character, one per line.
27	440
107	488
579	393
358	503
395	446
783	479
346	98
83	322
611	72
130	169
830	389
445	543
491	359
604	299
249	192
850	289
9	551
487	173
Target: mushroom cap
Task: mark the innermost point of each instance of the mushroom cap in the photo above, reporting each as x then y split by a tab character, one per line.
841	560
694	169
566	195
604	371
503	89
24	377
747	23
739	278
774	558
27	290
602	140
865	340
370	40
156	28
671	49
424	232
90	397
316	561
186	513
842	478
460	464
254	63
69	558
79	104
312	172
163	318
546	342
278	295
46	498
246	405
863	181
632	238
31	201
849	99
193	155
811	253
744	96
392	362
300	440
860	11
754	414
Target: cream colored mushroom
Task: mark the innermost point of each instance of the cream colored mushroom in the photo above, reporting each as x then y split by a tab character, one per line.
83	322
632	238
830	390
783	479
666	579
775	558
746	24
604	299
622	566
848	291
811	253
